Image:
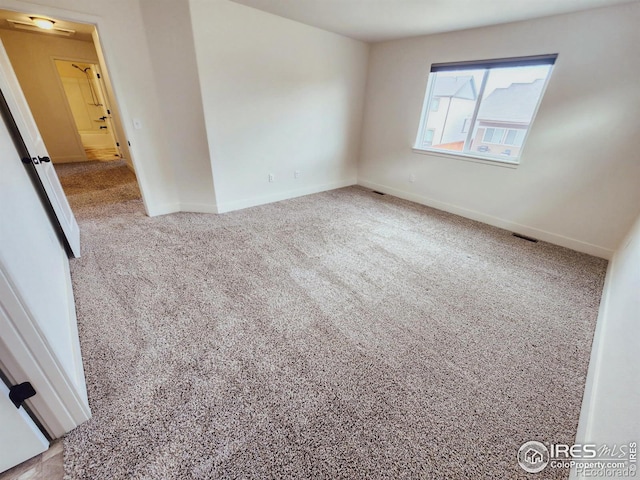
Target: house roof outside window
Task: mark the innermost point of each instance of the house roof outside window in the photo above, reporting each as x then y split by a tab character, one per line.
514	104
456	87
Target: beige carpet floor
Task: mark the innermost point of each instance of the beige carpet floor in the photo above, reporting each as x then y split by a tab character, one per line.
97	184
343	335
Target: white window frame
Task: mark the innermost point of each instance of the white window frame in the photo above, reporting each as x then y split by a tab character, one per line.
419	147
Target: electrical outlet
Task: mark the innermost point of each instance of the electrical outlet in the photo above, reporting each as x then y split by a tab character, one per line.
296	174
412	177
272	178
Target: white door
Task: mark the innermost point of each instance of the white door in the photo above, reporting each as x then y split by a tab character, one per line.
38	330
25	440
38	152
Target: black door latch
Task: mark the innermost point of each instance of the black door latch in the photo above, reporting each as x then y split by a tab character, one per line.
19	393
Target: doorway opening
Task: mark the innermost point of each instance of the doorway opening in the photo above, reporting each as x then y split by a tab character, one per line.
86	95
65	80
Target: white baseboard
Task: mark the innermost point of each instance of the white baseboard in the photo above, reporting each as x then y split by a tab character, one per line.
163	209
198	207
277	197
167	208
543	235
584	433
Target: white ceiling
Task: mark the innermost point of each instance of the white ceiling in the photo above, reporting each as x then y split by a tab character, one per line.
377	20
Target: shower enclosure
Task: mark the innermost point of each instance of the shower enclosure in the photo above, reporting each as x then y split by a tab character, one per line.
89	105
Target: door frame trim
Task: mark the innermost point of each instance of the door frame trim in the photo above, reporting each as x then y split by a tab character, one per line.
26	356
105	62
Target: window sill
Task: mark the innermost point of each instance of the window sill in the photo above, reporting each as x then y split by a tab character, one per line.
467	158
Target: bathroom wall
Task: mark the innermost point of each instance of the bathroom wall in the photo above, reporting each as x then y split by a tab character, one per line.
32	55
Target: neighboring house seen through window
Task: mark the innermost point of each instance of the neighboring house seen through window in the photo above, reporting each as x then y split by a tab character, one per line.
428	136
483	109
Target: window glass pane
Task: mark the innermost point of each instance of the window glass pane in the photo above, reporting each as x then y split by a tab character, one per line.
428	137
508	103
457	94
485	111
498	135
465	125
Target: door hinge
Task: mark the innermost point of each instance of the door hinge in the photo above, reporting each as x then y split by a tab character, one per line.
128	143
117	144
98	75
108	112
19	393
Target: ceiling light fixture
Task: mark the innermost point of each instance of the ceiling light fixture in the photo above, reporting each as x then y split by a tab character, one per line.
43	23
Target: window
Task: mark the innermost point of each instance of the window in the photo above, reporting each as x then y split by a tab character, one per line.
428	137
491	106
493	135
510	137
465	125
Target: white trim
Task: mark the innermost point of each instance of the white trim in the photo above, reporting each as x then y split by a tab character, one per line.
167	208
163	209
585	422
176	207
198	207
60	404
467	157
276	197
543	235
104	51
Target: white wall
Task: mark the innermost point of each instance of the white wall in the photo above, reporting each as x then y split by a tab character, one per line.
278	96
121	28
612	395
32	56
577	184
170	39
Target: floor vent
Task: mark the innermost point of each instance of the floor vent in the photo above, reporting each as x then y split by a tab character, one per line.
379	193
524	237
